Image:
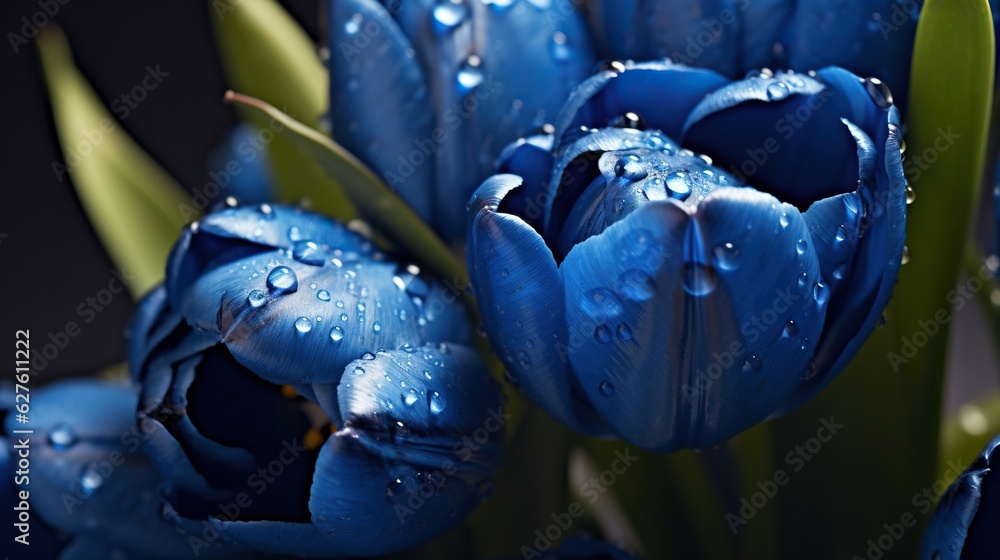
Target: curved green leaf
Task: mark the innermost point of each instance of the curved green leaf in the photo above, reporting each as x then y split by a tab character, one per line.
134	205
267	54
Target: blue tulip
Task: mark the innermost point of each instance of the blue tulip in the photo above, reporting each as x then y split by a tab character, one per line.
88	478
305	394
635	288
427	92
733	37
964	523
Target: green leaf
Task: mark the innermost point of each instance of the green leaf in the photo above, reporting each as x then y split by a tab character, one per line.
869	473
377	203
267	55
133	204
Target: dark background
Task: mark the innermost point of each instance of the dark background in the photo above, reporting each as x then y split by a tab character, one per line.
51	260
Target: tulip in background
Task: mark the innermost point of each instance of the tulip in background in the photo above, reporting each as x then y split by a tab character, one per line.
634	288
427	93
964	525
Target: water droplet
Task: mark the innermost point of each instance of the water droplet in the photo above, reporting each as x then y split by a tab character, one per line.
359	371
336	334
801	246
560	47
470	75
881	321
821	293
655	189
602	334
90	480
600	303
448	15
791	329
840	272
394	491
777	91
307	252
678	185
62	436
256	298
436	402
906	255
911	195
377	327
303	324
354	24
726	256
630	167
752	365
282	280
783	220
624	333
361	306
636	285
410	397
803	280
323	295
606	388
879	92
699	279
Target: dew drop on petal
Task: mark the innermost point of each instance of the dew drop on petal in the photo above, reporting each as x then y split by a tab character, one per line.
606	388
821	293
752	365
62	436
624	333
436	402
601	303
636	285
323	295
282	280
303	324
699	279
726	256
791	329
256	298
308	252
603	334
678	185
336	334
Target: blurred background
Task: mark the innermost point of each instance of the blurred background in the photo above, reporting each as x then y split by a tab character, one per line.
51	259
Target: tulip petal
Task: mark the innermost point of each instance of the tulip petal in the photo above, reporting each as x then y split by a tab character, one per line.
531	159
520	294
417	403
307	331
949	526
577	167
372	67
875	265
756	128
641	88
743	314
231	234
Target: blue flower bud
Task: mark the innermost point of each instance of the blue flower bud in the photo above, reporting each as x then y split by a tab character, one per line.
676	285
306	394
